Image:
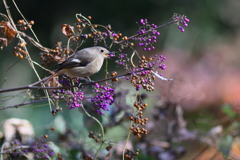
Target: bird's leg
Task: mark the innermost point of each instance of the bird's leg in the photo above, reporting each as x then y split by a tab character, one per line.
72	83
90	81
87	80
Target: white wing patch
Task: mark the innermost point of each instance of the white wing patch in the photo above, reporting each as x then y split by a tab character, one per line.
75	60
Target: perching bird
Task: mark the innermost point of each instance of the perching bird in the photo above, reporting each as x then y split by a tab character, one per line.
83	63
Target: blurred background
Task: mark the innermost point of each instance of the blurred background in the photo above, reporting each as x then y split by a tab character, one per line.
204	60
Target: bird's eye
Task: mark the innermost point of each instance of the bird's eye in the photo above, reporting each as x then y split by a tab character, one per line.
101	50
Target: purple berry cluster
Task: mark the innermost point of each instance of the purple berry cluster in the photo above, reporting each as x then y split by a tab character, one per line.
104	97
74	99
157	63
122	59
181	20
41	148
147	35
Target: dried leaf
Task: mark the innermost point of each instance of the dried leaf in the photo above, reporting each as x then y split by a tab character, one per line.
67	30
53	82
108	156
235	149
4	42
8	31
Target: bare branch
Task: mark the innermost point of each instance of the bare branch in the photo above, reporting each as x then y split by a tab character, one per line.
66	87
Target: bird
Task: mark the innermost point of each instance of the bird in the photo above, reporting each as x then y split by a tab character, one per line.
82	63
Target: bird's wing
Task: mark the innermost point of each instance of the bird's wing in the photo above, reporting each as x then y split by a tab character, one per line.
80	59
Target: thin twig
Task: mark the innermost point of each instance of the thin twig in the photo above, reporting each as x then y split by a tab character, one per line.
129	132
11	97
100	127
25	20
203	150
28	57
5	79
22	104
12	65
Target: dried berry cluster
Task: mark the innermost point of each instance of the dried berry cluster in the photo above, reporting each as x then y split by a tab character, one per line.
113	74
130	155
98	32
57	94
143	75
55	111
23	25
96	137
88	157
58	53
19	50
83	24
137	128
59	156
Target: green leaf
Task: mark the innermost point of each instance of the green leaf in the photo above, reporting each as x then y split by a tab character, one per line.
224	145
55	149
228	110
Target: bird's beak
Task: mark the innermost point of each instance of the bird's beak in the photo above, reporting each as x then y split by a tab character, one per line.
107	54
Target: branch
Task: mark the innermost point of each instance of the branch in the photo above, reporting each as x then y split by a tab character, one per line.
78	85
146	32
66	87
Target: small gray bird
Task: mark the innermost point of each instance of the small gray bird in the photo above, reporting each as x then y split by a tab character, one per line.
83	63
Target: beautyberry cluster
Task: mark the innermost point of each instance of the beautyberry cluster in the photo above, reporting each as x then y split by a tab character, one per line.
181	20
74	99
147	35
14	148
39	147
122	59
104	97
